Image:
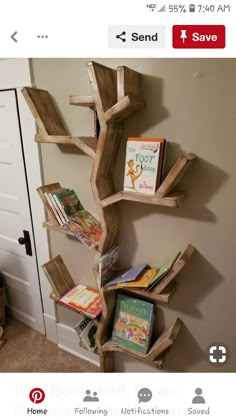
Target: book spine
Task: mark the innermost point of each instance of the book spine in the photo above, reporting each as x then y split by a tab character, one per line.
60	207
160	164
54	208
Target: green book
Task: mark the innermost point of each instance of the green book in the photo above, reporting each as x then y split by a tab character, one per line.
133	322
69	201
165	268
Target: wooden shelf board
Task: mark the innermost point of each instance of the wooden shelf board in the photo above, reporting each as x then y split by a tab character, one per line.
56	228
114	346
85	144
171	200
79	100
125	108
164	297
155	354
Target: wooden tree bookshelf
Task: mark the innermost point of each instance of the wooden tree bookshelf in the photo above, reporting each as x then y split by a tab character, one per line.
116	96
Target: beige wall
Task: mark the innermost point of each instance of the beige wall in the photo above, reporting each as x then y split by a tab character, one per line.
191	102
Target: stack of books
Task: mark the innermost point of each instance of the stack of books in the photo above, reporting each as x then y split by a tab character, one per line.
70	214
142	276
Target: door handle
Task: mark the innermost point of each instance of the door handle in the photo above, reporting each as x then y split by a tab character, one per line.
26	241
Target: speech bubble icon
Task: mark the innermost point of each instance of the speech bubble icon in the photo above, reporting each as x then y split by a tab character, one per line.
144	395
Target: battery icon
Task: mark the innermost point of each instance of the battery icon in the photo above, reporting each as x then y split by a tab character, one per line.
192	8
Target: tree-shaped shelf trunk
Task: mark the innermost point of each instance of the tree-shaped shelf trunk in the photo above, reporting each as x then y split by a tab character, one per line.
116	96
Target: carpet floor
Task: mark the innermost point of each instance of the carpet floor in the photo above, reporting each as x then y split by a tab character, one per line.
26	350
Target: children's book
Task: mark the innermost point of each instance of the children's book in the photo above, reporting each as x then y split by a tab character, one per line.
88	336
144	164
106	266
75	218
133	322
84	300
128	275
143	280
90	227
79	328
69	202
165	268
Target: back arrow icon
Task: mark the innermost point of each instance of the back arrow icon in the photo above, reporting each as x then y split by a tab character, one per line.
13	36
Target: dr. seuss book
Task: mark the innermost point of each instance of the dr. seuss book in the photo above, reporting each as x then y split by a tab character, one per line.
133	322
144	164
106	266
84	300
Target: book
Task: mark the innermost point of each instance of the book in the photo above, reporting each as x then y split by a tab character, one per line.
82	299
143	280
144	164
69	202
89	226
106	266
82	224
54	208
133	322
129	275
82	324
88	336
165	268
78	233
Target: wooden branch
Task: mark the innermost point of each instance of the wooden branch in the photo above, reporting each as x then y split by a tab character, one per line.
177	267
171	200
151	296
175	175
86	101
44	111
58	277
45	189
86	144
164	341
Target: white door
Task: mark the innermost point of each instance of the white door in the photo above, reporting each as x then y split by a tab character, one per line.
19	269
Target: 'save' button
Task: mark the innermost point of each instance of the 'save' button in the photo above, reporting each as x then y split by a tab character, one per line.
198	36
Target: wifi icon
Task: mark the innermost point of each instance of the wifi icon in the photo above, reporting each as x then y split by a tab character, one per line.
162	9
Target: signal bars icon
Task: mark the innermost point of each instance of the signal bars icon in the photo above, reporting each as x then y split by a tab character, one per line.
162	9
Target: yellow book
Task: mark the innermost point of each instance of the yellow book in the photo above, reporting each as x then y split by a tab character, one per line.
143	279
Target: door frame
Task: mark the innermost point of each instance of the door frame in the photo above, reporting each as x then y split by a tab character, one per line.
15	74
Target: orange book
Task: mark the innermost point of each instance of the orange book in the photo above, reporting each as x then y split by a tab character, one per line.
143	279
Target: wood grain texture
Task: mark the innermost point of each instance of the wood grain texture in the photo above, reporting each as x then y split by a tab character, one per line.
86	101
171	200
58	276
175	174
116	95
86	144
44	111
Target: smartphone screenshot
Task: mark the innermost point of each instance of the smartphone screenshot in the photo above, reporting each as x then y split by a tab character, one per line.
117	209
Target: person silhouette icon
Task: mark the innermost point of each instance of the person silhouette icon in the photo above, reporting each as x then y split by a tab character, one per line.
89	397
95	398
198	399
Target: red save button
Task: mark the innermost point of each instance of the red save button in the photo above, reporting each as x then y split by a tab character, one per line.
199	36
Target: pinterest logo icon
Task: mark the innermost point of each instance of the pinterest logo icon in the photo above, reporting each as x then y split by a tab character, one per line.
37	395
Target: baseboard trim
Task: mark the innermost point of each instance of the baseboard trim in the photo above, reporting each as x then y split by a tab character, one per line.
50	328
68	340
